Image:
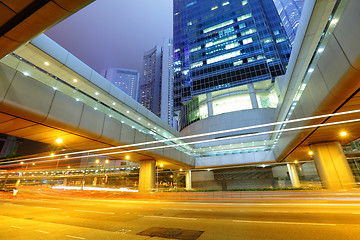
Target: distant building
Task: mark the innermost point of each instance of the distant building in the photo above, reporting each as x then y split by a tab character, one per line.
150	81
290	12
156	85
125	79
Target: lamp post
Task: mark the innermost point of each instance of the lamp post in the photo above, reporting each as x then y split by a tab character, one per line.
58	141
157	179
83	180
106	176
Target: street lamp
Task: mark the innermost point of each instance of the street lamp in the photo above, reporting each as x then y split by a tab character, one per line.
343	133
83	181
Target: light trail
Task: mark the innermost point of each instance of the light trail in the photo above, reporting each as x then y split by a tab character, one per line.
193	136
205	141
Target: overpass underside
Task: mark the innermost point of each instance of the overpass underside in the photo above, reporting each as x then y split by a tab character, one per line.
21	21
32	110
325	80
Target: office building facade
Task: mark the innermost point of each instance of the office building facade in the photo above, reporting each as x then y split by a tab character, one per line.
290	12
227	54
125	79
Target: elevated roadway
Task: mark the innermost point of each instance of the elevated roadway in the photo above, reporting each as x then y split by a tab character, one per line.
22	20
47	93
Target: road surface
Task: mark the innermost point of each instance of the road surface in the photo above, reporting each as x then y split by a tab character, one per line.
49	214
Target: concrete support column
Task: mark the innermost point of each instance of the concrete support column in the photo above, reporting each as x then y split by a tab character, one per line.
95	181
209	104
293	175
9	146
252	95
17	182
332	166
188	180
147	175
65	181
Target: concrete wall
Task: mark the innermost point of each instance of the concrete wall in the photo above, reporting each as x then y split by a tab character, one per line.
232	120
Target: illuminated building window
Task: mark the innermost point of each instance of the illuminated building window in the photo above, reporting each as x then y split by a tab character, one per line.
243	17
218	26
223	57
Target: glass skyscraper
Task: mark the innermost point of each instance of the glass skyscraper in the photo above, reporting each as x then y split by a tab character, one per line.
223	44
290	12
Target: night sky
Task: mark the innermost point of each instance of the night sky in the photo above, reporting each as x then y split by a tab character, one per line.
115	33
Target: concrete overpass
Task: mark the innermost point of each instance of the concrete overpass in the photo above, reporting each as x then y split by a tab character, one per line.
21	21
322	78
47	93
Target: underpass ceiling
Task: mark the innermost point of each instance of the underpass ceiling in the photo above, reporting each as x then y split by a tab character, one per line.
329	133
22	20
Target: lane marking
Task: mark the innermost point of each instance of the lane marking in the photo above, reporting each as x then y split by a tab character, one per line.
172	218
41	231
34	200
21	205
93	211
15	226
276	211
47	207
288	223
75	237
188	209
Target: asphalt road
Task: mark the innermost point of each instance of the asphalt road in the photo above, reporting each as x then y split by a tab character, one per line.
46	214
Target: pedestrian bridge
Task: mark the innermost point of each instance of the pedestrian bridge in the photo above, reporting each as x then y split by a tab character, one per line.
47	93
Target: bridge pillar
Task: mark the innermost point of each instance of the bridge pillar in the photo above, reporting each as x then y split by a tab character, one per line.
188	180
209	104
147	175
252	95
9	146
294	177
17	182
332	166
95	181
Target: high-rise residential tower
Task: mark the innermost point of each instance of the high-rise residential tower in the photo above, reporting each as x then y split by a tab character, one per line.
125	79
227	54
290	12
156	85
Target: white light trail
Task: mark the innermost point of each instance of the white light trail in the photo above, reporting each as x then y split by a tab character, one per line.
204	141
191	136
